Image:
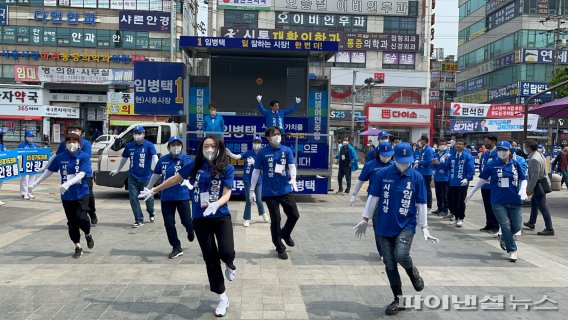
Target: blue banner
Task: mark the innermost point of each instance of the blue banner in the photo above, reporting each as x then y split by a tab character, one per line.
317	115
198	103
32	160
3	14
258	44
305	186
158	88
9	165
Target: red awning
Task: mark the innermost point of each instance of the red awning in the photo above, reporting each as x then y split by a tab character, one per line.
29	118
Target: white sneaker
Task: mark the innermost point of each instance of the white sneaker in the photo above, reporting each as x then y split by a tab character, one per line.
453	221
2	203
26	196
519	233
459	224
429	211
246	223
221	309
230	274
513	256
266	217
31	196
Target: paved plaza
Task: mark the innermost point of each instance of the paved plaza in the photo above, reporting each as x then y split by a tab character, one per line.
330	274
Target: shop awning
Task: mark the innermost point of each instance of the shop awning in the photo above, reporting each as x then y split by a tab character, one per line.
29	118
125	121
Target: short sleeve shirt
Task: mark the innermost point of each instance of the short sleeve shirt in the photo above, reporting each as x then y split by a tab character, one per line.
167	167
247	175
69	165
273	163
505	181
140	156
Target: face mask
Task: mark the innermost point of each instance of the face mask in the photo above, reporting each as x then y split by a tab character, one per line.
514	149
453	142
345	143
175	150
256	146
402	166
385	159
29	139
137	137
540	150
72	147
525	151
443	148
503	154
210	154
368	145
276	139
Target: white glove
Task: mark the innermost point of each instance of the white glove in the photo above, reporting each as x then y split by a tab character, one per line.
64	187
187	184
258	98
146	194
428	237
298	100
32	186
523	195
360	229
294	185
352	200
211	208
464	182
252	197
250	161
416	164
469	195
113	172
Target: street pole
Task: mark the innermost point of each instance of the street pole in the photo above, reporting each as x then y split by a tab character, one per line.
443	109
353	106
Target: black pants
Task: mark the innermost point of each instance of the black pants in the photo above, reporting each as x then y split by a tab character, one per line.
169	214
288	203
428	181
92	210
77	218
207	230
344	172
456	199
442	195
490	219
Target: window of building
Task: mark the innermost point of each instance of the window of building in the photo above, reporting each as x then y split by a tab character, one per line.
399	25
241	18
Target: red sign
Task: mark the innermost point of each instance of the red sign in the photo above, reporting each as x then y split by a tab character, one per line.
379	77
25	73
387	114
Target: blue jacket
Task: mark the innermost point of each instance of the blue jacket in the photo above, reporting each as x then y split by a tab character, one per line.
275	118
425	161
352	156
3	147
214	126
486	157
459	169
440	172
524	164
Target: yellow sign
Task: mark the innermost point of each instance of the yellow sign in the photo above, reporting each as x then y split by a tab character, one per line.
120	108
449	67
476	97
123	123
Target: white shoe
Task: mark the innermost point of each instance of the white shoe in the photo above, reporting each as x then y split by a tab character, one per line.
519	233
266	217
513	256
246	223
230	274
31	196
221	309
26	196
453	221
429	211
2	203
459	224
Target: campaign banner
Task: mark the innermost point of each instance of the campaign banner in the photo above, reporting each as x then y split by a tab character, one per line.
493	125
305	186
158	88
9	165
317	115
198	103
3	14
144	21
244	4
480	110
31	160
257	44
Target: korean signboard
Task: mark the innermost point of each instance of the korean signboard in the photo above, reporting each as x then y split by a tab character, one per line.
504	15
61	112
3	14
349	57
449	67
301	20
543	56
476	97
76	97
494	5
19	162
121	103
390	115
366	7
258	44
504	61
244	4
17	96
493	125
474	84
508	91
347	40
23	73
57	17
74	75
527	89
144	21
494	111
24	110
152	5
9	165
74	57
399	58
158	88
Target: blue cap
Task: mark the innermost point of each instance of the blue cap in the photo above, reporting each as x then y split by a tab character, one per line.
384	134
403	153
255	138
504	145
30	133
174	138
139	128
540	145
385	149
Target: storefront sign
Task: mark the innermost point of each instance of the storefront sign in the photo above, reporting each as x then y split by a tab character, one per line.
23	110
74	75
493	125
120	103
244	4
366	7
543	56
474	84
23	73
503	15
494	5
398	115
71	17
3	14
158	88
76	97
61	112
449	67
17	96
508	91
349	57
153	5
476	97
300	20
257	44
399	58
70	56
144	21
527	89
494	111
504	61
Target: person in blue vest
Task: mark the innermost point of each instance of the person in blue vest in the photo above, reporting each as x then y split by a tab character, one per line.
73	165
249	156
461	167
491	223
2	149
383	137
370	170
27	180
274	117
176	197
141	154
397	200
441	179
213	123
278	166
212	177
508	190
424	165
347	161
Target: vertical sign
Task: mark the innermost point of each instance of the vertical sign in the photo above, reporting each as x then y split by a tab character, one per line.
158	88
198	100
317	113
3	14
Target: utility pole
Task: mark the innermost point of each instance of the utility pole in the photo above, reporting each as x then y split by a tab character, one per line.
353	106
443	108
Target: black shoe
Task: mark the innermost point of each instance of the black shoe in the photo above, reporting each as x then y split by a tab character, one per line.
485	229
502	242
546	232
494	231
393	308
417	281
438	211
529	225
175	253
78	253
90	241
94	221
283	255
347	191
191	235
289	241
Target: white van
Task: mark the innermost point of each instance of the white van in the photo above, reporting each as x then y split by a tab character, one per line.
156	132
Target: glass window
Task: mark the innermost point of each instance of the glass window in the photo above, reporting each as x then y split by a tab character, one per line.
8	71
103	39
63	36
241	18
399	25
166	134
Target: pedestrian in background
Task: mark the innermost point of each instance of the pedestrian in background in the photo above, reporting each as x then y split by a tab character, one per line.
424	166
347	160
561	165
213	123
27	179
441	179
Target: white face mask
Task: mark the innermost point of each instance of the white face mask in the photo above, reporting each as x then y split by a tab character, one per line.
525	151
443	148
137	137
385	159
29	139
453	142
276	139
210	154
503	154
345	143
72	147
175	150
402	166
540	150
256	146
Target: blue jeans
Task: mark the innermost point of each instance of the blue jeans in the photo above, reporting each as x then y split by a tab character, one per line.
258	192
564	174
396	250
134	188
539	203
169	214
510	219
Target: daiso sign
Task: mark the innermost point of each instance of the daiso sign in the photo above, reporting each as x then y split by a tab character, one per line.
389	113
399	114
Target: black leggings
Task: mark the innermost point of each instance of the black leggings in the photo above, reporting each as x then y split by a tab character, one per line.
92	210
77	218
288	203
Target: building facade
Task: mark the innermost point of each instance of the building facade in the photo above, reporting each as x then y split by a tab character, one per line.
442	93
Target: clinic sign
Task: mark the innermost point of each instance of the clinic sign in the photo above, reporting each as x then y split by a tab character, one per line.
399	115
144	21
120	103
366	7
244	4
158	88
